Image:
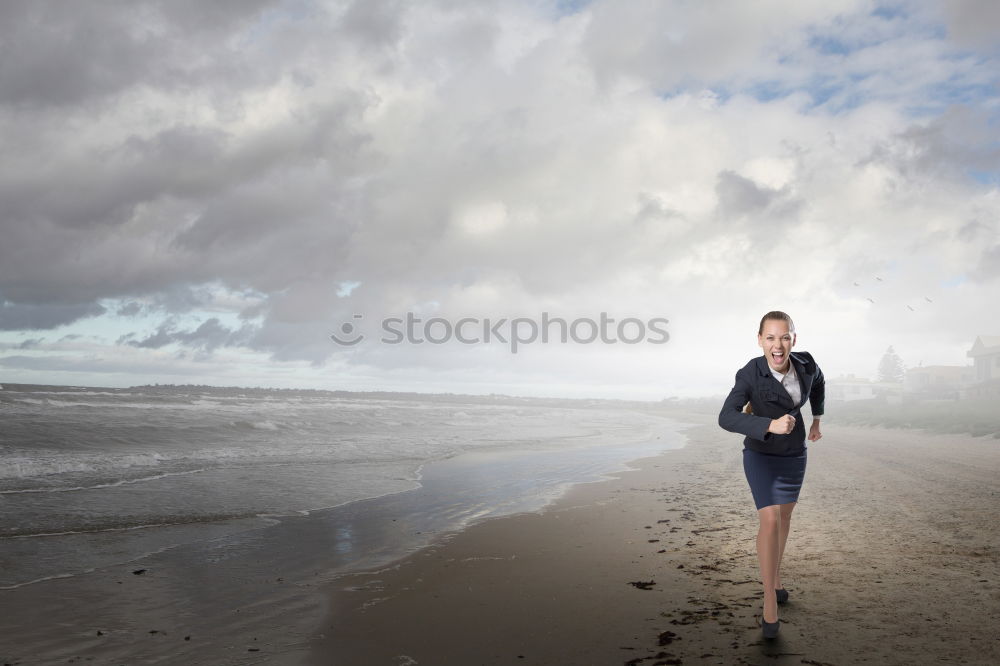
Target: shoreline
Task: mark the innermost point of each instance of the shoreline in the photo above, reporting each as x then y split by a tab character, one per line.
892	558
256	594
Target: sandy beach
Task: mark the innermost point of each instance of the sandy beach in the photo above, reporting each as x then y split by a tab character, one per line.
892	559
118	565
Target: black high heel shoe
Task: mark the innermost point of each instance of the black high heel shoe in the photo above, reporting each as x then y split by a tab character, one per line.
782	595
770	628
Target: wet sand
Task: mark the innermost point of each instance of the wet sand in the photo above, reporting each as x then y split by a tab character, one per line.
254	591
892	559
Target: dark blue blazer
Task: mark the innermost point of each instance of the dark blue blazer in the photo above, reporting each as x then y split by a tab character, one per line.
769	400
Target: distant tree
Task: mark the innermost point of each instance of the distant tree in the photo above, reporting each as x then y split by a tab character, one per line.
890	369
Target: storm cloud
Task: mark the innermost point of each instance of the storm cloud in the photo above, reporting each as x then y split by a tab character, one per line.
201	177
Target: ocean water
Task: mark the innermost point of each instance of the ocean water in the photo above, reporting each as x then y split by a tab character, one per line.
93	478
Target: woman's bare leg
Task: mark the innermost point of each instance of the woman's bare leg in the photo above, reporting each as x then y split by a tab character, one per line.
784	527
768	540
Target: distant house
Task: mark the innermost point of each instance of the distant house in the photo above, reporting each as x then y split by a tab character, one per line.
985	354
848	387
938	380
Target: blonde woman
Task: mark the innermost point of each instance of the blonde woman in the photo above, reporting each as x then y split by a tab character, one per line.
764	406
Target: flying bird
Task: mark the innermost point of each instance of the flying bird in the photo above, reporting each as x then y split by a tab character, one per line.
857	284
878	278
911	309
871	300
928	300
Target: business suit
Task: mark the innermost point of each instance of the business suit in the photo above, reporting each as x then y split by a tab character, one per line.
774	464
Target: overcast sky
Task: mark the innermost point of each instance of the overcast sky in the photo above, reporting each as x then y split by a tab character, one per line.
195	192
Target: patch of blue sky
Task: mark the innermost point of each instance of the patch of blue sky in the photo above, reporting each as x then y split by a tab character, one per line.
15	338
791	58
721	92
345	288
990	178
844	94
856	33
834	42
110	327
936	98
838	99
830	45
826	92
767	91
911	16
557	9
933	31
956	90
833	95
567	7
953	281
287	11
271	19
101	328
890	10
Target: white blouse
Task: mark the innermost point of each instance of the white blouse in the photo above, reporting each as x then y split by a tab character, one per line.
790	381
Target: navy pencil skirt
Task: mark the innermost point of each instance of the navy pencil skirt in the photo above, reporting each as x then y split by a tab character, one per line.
774	479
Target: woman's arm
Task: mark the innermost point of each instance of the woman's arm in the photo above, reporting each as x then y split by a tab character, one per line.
817	394
733	419
817	398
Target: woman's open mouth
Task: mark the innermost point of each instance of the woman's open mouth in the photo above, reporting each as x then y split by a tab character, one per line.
778	357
